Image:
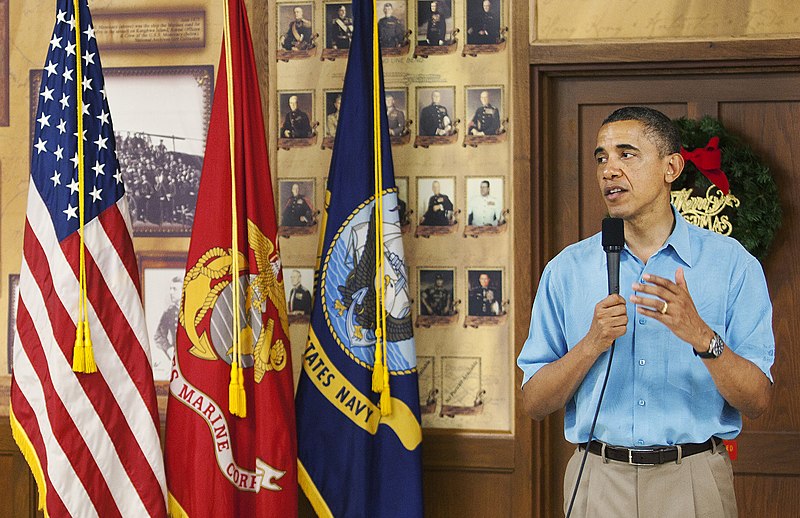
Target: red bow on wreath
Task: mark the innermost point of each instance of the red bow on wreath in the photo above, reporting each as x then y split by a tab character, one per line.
708	160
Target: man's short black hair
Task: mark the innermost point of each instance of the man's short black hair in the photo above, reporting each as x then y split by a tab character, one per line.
657	126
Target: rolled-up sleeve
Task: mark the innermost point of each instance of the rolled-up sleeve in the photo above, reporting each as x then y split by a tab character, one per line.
546	340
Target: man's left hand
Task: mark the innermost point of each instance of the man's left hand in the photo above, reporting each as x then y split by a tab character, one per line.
673	307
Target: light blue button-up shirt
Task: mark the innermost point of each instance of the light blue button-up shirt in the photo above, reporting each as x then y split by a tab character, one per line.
659	392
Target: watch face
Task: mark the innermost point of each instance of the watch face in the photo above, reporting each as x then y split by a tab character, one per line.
717	345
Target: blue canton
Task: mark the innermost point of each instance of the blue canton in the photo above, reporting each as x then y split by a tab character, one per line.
54	158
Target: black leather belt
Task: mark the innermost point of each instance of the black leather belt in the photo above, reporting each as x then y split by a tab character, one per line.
651	455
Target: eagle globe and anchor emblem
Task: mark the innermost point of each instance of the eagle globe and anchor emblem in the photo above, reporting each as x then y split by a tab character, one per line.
207	287
351	284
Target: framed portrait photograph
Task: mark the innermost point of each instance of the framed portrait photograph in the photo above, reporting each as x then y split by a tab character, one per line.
333	102
159	143
393	30
435	201
298	283
296	36
13	294
485	202
298	214
484	107
485	292
436	291
483	22
338	29
162	285
402	201
436	111
435	23
396	113
295	125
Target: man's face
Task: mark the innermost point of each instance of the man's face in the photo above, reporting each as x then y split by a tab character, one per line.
436	97
295	189
436	188
433	7
337	102
293	102
298	13
484	98
484	189
175	290
387	10
632	175
484	280
342	12
295	278
439	282
486	6
389	101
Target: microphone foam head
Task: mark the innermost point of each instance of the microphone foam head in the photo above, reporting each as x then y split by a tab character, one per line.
613	234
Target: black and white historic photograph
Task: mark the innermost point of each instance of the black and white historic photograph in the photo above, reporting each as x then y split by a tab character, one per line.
338	25
485	291
297	203
435	23
485	201
160	142
483	22
397	112
436	292
296	27
484	106
435	201
392	24
333	103
298	283
404	212
296	112
436	109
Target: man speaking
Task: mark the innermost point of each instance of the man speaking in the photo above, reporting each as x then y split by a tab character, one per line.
694	342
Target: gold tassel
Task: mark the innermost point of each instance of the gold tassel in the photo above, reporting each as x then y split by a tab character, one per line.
233	389
386	402
377	367
78	354
242	395
90	366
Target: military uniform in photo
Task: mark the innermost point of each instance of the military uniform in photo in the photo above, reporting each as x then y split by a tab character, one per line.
486	29
297	212
397	121
299	300
486	120
341	32
483	211
436	301
483	302
298	37
439	210
432	120
390	32
296	125
436	30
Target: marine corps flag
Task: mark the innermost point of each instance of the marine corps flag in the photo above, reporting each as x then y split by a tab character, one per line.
359	434
231	446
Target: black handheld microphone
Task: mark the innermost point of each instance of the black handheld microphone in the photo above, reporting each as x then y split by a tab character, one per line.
613	242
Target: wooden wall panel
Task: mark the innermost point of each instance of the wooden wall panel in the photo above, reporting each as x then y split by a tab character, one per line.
464	493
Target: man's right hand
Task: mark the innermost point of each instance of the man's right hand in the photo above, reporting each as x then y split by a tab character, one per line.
609	323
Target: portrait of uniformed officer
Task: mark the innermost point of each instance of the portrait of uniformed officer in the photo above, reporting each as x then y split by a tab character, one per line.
391	29
297	210
333	102
435	119
299	32
483	22
484	207
438	210
395	106
485	293
298	297
434	20
436	292
296	123
340	26
486	118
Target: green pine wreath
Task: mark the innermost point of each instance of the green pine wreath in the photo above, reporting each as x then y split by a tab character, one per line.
758	217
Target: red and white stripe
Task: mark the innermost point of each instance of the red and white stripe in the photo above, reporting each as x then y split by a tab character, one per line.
96	435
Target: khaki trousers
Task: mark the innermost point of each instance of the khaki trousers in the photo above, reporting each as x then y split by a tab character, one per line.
700	486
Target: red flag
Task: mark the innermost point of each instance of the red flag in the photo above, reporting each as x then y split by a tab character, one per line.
90	437
220	464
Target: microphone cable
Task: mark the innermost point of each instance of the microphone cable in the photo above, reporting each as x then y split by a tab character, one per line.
591	430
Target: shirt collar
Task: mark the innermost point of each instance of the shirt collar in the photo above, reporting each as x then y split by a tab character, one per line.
678	240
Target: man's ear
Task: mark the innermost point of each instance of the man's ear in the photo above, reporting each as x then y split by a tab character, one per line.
674	167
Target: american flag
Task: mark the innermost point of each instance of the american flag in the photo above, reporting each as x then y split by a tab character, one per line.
91	440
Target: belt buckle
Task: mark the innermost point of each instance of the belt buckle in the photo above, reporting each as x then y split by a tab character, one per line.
631	451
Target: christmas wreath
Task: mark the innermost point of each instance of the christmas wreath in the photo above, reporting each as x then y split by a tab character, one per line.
725	187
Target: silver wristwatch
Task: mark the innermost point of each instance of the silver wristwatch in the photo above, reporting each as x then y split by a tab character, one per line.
715	348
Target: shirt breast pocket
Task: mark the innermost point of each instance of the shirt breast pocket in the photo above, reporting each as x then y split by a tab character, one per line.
686	372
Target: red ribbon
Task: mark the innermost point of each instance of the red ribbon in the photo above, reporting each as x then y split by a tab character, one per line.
708	161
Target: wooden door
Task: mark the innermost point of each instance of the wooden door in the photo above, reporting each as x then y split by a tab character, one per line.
762	105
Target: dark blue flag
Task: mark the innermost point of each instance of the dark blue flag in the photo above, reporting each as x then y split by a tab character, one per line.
358	424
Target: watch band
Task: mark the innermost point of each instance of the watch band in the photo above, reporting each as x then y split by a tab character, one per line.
715	348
